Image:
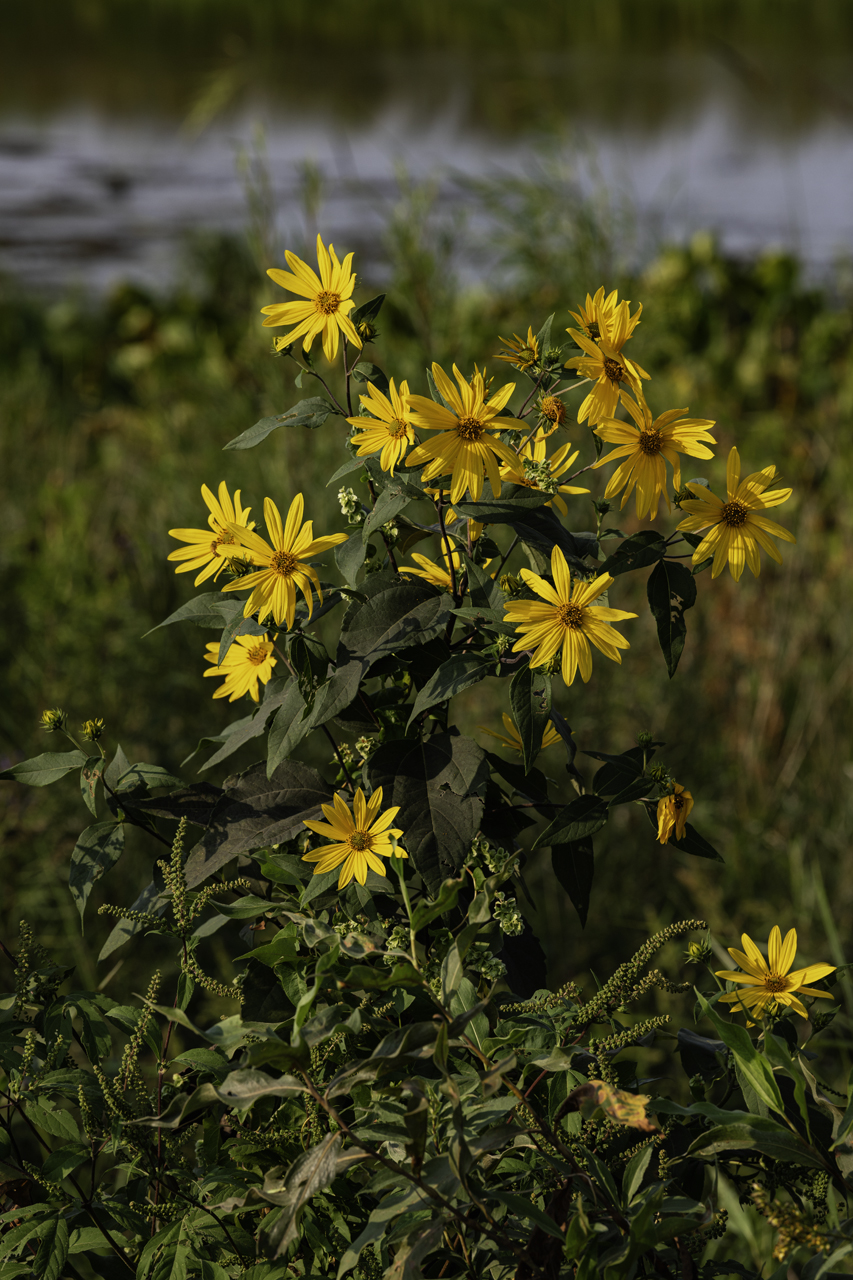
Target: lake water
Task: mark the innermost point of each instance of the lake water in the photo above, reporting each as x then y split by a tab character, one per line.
88	198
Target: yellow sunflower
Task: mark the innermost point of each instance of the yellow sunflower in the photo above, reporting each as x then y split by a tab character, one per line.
362	837
533	469
767	984
737	529
437	574
513	737
604	363
589	315
569	619
211	551
521	352
644	448
673	812
328	301
282	566
388	432
248	660
464	449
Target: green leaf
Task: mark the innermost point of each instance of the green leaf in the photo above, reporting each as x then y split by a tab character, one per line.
528	1212
414	1248
210	609
635	1171
89	777
286	730
397	613
762	1133
49	1263
543	337
244	1087
147	777
645	547
484	591
44	769
364	371
691	842
524	511
368	310
461	671
579	819
530	700
754	1066
59	1124
389	503
671	591
313	1171
311	413
349	557
64	1160
335	695
438	785
96	851
574	867
445	901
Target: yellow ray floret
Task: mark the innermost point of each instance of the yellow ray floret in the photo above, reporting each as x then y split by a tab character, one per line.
282	566
464	449
737	527
528	468
566	618
512	739
523	353
767	984
361	837
388	430
248	660
590	315
604	363
210	549
328	301
644	448
438	574
673	812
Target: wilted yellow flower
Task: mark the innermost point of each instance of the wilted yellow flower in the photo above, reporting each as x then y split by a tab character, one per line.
283	566
329	301
210	549
513	738
568	619
249	659
673	812
552	409
388	432
644	448
464	449
737	528
521	352
604	363
437	574
533	469
767	984
361	837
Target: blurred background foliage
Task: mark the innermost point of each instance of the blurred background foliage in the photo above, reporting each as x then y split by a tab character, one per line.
115	411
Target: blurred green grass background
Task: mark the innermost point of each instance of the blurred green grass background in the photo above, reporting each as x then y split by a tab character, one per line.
115	412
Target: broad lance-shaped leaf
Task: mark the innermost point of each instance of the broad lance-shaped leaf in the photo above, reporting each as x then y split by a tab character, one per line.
691	842
349	557
671	590
753	1065
574	867
459	672
397	613
582	817
98	849
534	523
44	769
645	547
389	503
313	1171
210	609
312	413
530	700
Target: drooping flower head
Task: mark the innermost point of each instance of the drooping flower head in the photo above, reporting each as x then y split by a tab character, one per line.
767	984
464	449
328	301
512	739
566	618
673	812
282	566
437	574
604	363
535	470
523	353
644	448
737	527
210	550
388	430
249	660
361	837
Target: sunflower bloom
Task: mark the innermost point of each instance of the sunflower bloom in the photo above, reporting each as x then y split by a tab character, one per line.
533	469
283	566
362	837
512	739
438	574
387	431
767	984
464	449
523	353
737	527
248	660
328	301
673	812
210	550
566	618
604	364
644	448
589	316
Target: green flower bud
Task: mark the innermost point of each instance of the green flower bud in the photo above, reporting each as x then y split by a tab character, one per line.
53	721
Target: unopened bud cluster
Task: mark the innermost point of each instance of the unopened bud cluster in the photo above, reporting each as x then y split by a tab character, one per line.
350	506
507	914
538	474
